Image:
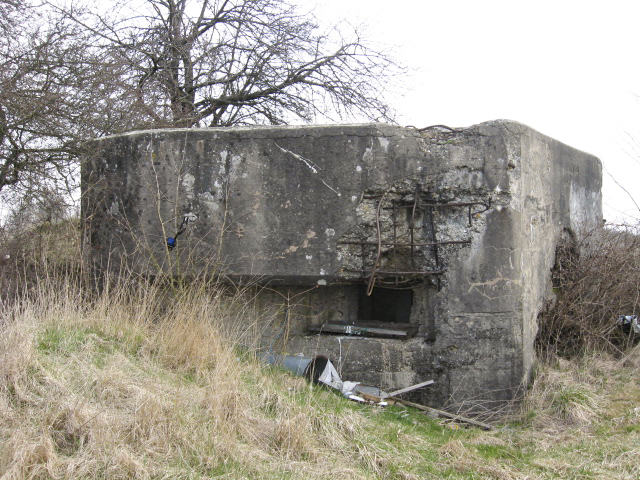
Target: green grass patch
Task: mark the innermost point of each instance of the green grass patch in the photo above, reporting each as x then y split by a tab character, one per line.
62	341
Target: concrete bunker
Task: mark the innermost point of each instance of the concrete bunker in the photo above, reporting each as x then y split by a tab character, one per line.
402	255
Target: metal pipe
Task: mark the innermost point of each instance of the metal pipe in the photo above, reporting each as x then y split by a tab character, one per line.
311	368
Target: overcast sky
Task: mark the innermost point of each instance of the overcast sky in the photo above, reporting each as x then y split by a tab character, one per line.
570	69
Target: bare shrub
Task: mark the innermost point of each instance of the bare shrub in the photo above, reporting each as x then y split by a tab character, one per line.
596	279
38	249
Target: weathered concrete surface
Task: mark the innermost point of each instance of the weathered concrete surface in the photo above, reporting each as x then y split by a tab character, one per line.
280	204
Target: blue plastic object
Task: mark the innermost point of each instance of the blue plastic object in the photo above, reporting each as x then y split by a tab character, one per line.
171	243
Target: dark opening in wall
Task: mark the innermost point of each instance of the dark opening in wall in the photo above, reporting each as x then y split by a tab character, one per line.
385	305
385	313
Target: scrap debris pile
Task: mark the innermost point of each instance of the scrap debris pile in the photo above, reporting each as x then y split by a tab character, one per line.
320	370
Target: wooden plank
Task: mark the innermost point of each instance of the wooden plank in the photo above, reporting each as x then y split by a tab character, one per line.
371	398
407	389
442	413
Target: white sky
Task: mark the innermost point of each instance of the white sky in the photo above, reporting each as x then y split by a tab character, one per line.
570	69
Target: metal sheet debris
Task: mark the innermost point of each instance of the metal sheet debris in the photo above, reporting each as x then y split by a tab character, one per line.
629	324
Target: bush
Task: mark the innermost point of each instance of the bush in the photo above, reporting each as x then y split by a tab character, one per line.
596	278
36	250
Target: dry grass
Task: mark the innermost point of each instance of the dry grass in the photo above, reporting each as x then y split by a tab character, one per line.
143	382
128	386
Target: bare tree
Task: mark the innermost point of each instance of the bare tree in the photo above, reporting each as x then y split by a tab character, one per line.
70	73
231	62
54	94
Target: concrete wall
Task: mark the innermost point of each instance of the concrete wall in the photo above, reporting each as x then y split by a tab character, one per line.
285	206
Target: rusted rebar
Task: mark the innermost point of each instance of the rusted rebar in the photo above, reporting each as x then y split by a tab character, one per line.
387	272
394	244
376	264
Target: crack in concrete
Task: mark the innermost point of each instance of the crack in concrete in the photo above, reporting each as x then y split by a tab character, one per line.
310	165
480	287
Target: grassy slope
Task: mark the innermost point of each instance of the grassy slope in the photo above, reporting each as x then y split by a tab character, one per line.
128	387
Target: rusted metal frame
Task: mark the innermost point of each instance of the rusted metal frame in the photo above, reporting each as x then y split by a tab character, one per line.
387	272
470	205
395	238
403	284
393	286
412	224
441	127
397	281
372	279
435	246
391	244
454	204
